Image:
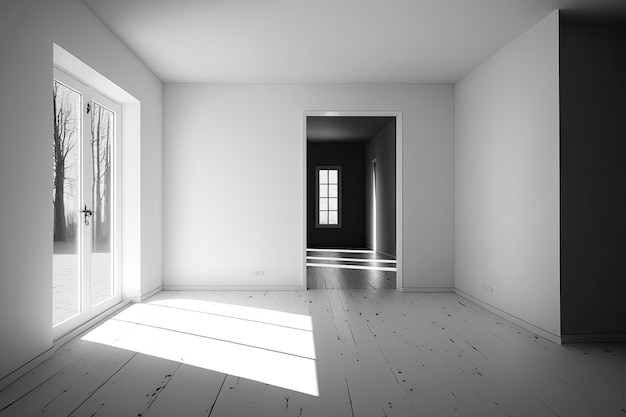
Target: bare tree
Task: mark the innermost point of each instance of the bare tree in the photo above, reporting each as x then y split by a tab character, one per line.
101	121
64	129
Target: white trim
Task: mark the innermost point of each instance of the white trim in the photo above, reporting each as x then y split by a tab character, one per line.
48	353
360	113
399	253
147	295
303	219
234	287
60	341
593	338
520	322
426	289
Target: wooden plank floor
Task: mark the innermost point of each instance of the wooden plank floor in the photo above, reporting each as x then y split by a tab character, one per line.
374	353
328	269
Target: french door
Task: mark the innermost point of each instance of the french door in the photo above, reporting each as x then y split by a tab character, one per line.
86	204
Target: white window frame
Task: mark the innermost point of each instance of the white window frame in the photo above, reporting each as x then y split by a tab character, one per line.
87	310
339	198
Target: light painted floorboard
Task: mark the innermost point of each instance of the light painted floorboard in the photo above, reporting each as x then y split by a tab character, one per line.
377	352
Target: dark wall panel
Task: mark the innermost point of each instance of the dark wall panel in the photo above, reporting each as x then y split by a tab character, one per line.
350	157
593	177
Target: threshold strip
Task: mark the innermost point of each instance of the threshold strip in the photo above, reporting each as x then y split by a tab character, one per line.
341	250
330	258
370	268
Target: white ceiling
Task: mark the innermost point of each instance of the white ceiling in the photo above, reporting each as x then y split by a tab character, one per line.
323	41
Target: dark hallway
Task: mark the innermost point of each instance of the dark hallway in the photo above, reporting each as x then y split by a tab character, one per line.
351	219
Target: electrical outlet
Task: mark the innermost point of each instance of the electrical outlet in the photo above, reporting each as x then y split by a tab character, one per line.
258	273
487	288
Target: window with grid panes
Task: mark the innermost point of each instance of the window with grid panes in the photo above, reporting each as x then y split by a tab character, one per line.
328	196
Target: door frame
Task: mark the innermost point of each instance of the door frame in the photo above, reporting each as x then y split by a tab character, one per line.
88	310
357	113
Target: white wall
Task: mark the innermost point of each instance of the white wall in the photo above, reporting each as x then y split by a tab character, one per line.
507	179
234	180
28	29
382	148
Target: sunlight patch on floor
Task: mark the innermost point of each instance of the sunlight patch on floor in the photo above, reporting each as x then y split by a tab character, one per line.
279	318
267	346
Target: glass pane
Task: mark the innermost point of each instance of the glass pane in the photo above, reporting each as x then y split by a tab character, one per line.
333	204
332	190
66	288
333	217
102	131
332	176
323	217
323	204
323	190
323	176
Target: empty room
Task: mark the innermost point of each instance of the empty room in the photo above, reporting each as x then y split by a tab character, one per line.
332	208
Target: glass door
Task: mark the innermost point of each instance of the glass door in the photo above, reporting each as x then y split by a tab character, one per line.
86	270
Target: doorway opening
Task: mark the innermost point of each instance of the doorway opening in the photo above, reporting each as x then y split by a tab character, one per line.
363	252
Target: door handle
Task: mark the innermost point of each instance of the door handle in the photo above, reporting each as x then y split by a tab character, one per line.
88	213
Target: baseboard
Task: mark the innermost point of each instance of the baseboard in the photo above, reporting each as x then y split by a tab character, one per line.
426	289
147	295
88	325
593	338
27	367
234	288
7	380
522	323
